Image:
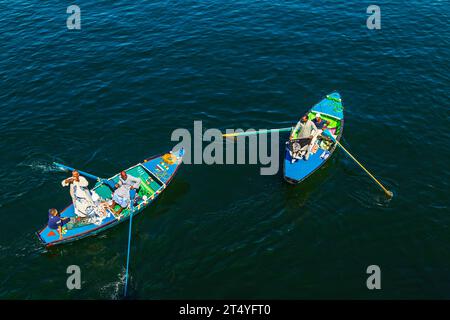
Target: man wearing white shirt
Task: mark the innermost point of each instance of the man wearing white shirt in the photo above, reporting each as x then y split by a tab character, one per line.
81	197
125	193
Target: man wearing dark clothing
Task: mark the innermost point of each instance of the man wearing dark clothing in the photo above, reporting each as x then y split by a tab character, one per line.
56	222
320	123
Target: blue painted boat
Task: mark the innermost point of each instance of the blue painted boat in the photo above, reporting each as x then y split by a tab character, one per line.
155	173
332	110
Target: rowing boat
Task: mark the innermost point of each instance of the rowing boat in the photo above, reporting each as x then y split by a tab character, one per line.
332	110
155	173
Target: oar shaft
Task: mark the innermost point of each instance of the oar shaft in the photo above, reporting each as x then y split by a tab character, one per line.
81	172
367	171
236	134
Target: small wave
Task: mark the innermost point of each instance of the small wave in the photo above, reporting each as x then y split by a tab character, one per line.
42	166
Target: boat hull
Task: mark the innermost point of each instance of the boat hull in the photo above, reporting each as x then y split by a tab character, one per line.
331	109
156	174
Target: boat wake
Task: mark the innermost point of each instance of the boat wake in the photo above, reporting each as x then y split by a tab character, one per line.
41	166
36	175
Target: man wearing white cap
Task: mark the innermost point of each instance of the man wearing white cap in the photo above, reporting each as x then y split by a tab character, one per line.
321	125
319	122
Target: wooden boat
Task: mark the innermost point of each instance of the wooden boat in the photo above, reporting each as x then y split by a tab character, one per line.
155	173
332	110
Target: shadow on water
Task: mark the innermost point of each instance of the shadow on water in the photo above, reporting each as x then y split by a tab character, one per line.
297	195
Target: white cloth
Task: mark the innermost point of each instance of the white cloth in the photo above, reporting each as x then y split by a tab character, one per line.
123	190
130	181
315	136
81	197
307	129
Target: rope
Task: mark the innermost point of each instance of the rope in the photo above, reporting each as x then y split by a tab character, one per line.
128	254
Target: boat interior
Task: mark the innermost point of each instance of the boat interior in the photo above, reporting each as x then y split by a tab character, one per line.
149	186
321	142
334	125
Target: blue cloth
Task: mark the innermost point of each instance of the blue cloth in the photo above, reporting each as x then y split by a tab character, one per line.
110	184
132	196
55	221
123	202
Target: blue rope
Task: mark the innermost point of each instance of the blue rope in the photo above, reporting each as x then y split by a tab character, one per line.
128	254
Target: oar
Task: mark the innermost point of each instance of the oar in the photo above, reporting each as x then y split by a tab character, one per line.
236	134
386	191
105	181
81	172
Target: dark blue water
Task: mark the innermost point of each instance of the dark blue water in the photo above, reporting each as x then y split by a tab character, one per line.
105	97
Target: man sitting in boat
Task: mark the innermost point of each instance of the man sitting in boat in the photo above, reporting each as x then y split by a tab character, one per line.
320	123
55	222
81	197
301	138
126	190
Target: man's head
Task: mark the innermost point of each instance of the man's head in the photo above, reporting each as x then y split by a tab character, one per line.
53	211
318	117
123	175
76	175
304	118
